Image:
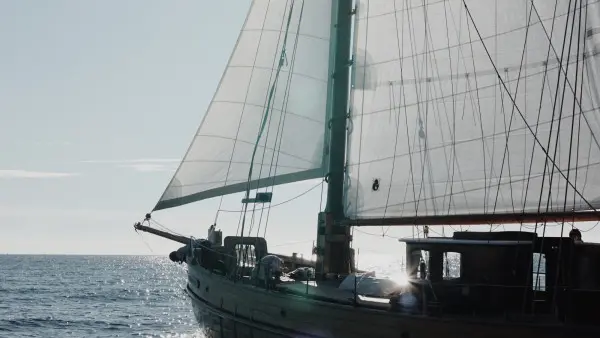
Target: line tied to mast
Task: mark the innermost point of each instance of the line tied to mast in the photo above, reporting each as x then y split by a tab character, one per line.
270	99
282	61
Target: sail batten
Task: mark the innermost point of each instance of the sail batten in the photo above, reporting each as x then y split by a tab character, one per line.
459	108
268	116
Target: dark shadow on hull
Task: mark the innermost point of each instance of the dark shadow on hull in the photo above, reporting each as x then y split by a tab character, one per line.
217	323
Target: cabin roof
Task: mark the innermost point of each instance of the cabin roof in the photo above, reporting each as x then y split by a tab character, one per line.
439	240
587	244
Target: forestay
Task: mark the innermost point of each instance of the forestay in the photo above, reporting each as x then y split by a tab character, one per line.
273	96
461	107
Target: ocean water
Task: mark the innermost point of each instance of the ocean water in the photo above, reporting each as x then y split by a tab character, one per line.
94	296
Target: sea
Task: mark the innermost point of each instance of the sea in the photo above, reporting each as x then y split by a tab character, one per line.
94	296
106	296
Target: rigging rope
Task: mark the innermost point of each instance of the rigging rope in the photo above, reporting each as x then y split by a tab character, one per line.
506	148
266	114
267	97
555	295
362	109
580	108
282	119
265	117
245	101
401	59
280	203
556	144
554	102
546	153
145	243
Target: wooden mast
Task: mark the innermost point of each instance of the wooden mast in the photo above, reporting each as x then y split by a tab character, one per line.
333	240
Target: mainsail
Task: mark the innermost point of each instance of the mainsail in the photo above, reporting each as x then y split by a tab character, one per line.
474	107
275	86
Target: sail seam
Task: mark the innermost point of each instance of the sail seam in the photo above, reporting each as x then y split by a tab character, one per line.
251	143
410	8
282	31
478	189
273	109
462	142
377	111
283	71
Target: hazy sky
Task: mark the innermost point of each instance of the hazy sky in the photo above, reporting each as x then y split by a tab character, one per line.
98	102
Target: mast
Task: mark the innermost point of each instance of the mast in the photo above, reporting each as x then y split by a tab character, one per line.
333	240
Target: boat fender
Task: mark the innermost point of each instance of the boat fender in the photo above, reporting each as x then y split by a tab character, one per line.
177	257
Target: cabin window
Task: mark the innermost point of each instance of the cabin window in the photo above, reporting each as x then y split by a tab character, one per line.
246	255
539	272
420	263
451	265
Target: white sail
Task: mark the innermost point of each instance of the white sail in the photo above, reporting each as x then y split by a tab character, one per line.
434	131
270	106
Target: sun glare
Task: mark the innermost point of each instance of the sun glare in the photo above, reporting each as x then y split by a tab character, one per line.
401	278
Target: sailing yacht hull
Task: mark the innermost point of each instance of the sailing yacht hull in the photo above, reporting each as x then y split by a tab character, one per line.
233	310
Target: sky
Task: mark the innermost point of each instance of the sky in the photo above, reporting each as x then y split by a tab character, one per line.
98	103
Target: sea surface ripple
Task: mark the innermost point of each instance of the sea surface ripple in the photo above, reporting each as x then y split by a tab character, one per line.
94	296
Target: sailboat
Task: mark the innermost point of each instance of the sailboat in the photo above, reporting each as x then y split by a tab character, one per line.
416	113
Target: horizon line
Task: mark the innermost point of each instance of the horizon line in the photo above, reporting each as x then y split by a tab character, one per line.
76	254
